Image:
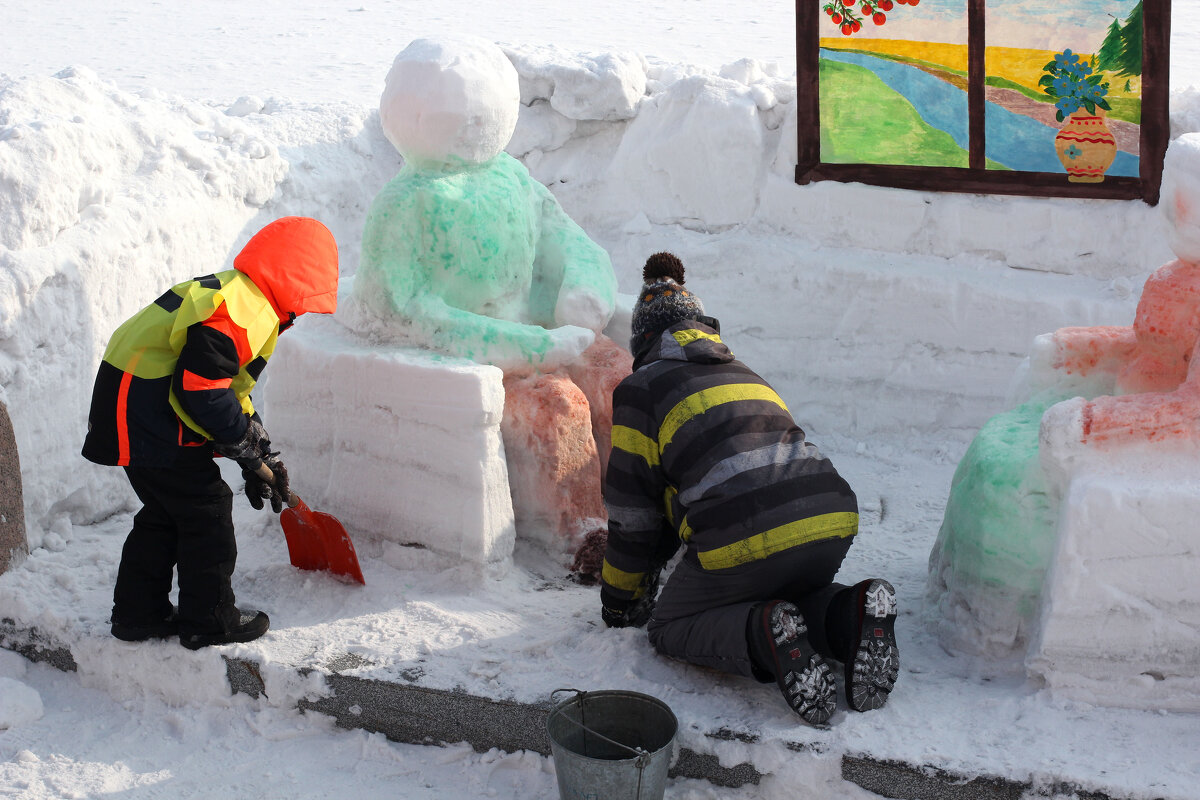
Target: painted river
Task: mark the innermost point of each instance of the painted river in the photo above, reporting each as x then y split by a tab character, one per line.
1014	140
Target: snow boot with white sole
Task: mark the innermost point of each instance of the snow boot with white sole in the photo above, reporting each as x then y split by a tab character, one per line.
872	670
802	675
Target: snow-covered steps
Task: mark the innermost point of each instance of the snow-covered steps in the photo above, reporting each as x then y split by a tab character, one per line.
409	713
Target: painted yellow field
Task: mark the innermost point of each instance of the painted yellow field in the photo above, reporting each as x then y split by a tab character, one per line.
953	56
1016	64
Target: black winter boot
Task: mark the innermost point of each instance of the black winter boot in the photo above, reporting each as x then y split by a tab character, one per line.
874	664
802	675
249	625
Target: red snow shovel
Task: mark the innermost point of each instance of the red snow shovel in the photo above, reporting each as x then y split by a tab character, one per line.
316	540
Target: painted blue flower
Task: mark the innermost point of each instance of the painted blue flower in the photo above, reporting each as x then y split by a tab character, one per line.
1069	83
1072	152
1066	59
1068	105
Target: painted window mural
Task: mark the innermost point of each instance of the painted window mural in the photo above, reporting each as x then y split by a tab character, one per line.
1010	96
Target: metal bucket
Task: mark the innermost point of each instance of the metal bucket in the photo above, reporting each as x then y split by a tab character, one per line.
611	745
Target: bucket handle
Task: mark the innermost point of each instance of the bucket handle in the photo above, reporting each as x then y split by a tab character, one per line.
643	758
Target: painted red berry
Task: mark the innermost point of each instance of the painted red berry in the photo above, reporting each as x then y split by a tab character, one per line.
837	19
886	5
847	29
879	18
855	26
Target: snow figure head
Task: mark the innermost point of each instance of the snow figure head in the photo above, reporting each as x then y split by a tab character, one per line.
1181	196
450	101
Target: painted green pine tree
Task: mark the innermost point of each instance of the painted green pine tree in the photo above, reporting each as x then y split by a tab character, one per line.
1108	57
1121	50
1131	43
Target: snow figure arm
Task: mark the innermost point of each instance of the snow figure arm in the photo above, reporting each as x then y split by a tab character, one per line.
488	340
1086	359
1070	428
1073	428
580	268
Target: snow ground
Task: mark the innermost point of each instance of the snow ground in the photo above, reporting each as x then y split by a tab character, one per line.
154	720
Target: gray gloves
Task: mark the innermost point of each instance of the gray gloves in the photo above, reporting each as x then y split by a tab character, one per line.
253	449
254	446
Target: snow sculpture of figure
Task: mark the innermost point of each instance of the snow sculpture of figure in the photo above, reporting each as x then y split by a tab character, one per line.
466	254
998	535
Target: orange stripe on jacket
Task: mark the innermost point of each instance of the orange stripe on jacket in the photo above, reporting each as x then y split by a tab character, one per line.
195	383
220	321
122	419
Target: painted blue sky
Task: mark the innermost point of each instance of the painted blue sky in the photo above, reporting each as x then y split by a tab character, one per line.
1038	24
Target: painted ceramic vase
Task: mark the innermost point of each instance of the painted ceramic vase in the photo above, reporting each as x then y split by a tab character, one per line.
1085	146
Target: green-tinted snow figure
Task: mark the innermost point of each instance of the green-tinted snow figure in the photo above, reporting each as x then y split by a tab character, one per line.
463	251
997	535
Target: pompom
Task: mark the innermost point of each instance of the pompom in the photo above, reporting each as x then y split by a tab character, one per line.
663	265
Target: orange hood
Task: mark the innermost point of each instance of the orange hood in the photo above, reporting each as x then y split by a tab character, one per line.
294	262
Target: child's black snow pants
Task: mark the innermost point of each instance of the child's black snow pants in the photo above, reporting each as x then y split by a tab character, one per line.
186	521
701	616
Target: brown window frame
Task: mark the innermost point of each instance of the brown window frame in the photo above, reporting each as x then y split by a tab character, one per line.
1155	124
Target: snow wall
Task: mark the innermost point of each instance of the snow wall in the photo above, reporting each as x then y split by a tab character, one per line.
875	312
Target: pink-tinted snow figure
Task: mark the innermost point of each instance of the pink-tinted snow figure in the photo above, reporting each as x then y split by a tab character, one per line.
1145	373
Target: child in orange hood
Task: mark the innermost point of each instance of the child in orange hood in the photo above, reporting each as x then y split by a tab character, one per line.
172	391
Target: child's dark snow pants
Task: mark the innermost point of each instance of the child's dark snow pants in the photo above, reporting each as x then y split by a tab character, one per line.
186	522
701	616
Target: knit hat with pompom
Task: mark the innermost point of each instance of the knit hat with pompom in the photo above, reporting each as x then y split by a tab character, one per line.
663	301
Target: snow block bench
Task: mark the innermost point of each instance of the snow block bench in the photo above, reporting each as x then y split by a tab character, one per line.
394	441
1120	616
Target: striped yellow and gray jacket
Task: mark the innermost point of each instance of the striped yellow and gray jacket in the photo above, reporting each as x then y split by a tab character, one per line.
706	451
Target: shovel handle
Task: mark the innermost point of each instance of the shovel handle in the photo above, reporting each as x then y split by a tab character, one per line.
264	472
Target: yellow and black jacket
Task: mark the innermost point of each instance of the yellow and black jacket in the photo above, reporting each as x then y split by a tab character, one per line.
178	374
706	451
